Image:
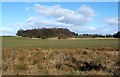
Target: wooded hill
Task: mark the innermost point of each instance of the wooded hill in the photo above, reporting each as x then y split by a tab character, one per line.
46	33
61	33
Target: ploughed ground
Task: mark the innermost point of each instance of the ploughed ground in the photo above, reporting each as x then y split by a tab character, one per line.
38	61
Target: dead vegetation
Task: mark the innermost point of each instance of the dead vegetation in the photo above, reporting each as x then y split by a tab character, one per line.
102	61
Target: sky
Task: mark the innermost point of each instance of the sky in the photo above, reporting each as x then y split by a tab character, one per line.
79	17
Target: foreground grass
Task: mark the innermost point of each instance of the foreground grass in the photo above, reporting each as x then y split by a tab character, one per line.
38	61
20	42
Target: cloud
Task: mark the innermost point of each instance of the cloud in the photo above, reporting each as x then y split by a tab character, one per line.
76	17
62	17
35	22
111	21
95	30
6	31
86	11
74	20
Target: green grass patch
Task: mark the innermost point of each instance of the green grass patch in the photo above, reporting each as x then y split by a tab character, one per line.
21	42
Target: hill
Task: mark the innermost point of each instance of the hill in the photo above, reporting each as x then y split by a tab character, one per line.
46	33
60	33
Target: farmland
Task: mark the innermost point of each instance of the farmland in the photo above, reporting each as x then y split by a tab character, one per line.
28	56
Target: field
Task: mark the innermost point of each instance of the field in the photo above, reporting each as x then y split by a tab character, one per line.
25	56
19	42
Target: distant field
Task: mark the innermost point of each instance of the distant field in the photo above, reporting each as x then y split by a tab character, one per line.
20	42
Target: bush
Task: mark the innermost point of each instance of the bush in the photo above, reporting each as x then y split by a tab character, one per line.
99	60
39	66
62	37
21	66
4	67
21	58
118	61
43	37
58	66
116	73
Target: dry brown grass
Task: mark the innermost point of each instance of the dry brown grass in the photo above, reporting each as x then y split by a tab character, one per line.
58	61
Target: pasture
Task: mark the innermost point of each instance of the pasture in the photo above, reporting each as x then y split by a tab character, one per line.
22	42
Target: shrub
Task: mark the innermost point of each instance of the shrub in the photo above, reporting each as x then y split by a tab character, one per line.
21	58
39	66
116	73
21	66
62	37
68	57
98	60
4	67
43	37
42	70
118	61
58	66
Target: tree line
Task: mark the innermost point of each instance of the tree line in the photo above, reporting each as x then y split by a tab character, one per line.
61	33
115	35
44	33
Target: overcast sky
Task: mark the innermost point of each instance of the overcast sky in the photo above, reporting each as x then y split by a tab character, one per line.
79	17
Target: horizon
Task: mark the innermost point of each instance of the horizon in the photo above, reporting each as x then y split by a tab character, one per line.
78	17
56	28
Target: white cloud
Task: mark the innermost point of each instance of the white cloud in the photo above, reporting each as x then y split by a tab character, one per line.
6	31
77	17
66	18
35	22
92	28
86	11
111	21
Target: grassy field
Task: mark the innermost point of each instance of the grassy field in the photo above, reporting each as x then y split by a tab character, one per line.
20	42
25	56
37	61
